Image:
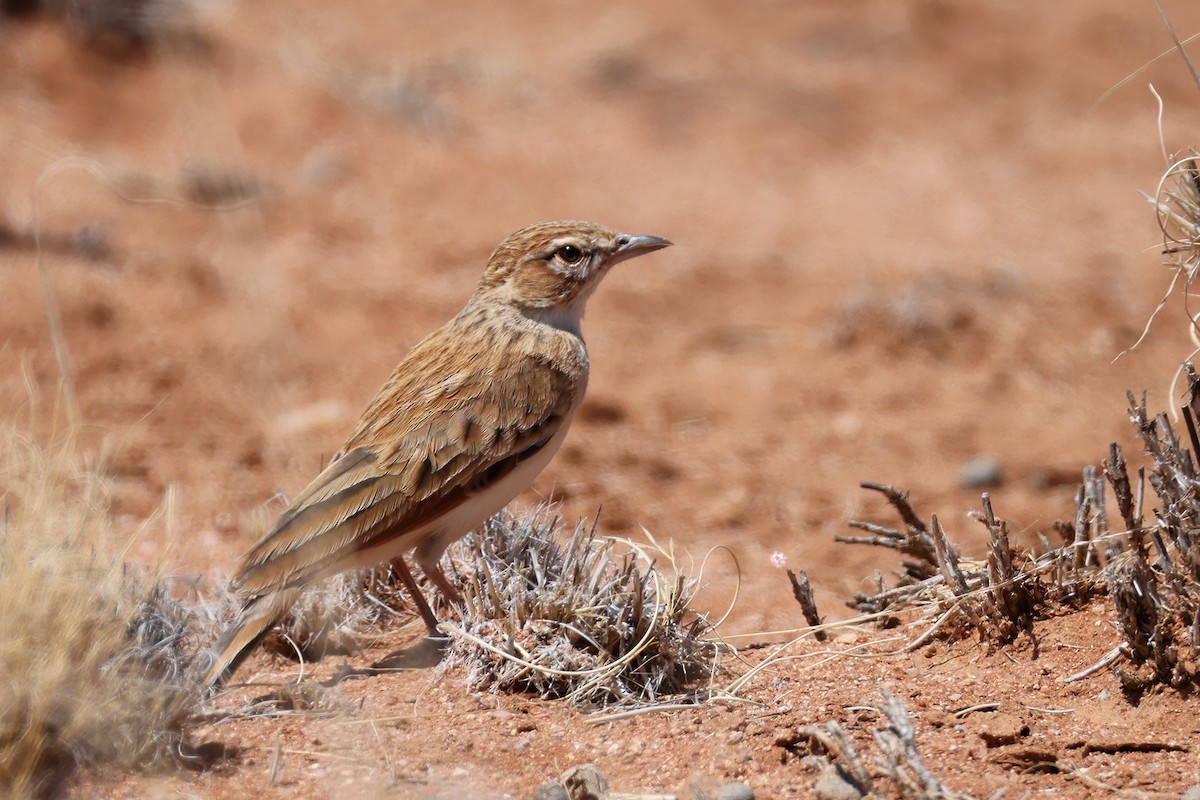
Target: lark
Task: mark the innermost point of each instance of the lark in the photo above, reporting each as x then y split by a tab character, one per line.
465	423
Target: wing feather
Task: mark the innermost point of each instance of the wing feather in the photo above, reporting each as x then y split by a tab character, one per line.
417	453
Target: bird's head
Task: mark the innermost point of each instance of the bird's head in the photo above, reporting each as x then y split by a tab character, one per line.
551	268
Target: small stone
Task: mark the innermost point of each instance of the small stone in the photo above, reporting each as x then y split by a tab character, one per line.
834	784
936	718
1000	728
735	791
698	786
981	473
303	696
1191	794
585	782
551	790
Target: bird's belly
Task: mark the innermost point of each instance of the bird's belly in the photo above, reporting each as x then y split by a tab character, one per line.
431	539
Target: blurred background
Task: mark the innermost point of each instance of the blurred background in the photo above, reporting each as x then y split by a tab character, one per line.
909	245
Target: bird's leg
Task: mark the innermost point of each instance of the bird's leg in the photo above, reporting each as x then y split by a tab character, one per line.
431	623
434	571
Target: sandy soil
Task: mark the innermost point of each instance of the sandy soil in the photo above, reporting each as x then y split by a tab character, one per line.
909	235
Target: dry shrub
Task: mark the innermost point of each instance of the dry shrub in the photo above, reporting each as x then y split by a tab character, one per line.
1155	581
587	618
332	616
1148	569
997	598
91	651
897	771
938	313
114	24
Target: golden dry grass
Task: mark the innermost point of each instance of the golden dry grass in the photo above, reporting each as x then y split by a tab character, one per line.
90	650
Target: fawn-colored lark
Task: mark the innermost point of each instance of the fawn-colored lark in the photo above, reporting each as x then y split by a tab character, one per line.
465	423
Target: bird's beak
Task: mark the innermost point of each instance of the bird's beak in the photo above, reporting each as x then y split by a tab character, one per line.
634	246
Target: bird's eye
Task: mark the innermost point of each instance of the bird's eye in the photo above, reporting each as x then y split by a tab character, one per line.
570	254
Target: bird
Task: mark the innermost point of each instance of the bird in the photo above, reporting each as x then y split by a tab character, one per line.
467	420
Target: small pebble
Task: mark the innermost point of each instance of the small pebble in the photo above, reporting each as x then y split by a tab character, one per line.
735	791
833	784
585	782
1191	794
551	790
981	473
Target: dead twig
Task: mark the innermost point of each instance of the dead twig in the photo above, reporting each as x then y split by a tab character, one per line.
802	591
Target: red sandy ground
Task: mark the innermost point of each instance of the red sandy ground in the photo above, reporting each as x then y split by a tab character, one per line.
908	234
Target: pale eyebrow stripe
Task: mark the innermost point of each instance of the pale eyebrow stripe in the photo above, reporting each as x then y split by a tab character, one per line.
563	241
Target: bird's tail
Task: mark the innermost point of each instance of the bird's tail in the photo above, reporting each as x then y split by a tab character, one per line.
251	625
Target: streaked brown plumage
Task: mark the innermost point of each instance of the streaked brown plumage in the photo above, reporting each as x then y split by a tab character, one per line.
465	423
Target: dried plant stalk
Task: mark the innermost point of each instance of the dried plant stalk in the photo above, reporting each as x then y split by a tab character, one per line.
802	591
899	762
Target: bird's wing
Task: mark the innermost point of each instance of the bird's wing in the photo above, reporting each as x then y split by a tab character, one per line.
422	448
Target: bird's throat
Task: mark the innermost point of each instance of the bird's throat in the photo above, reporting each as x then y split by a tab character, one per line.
567	317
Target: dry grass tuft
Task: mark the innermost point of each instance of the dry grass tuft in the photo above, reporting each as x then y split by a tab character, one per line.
91	650
587	618
331	617
1178	204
